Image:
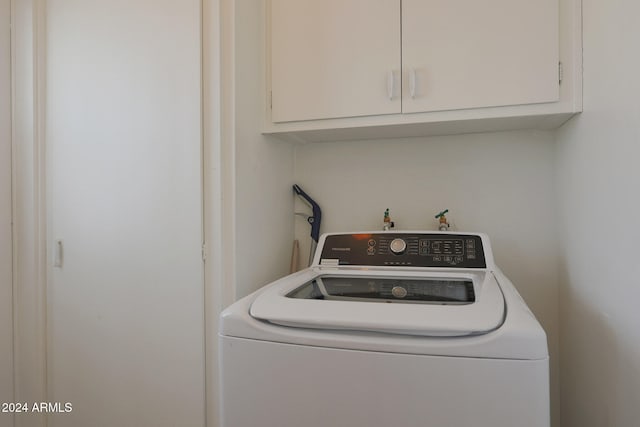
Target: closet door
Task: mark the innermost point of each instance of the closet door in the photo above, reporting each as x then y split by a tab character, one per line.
468	53
125	297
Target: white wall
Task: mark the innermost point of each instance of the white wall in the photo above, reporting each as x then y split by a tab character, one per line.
598	156
498	183
264	165
6	293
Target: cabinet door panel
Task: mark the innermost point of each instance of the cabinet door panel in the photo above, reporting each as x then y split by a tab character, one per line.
468	53
332	58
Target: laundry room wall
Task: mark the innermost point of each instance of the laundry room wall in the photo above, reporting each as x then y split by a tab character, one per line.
264	165
498	183
598	177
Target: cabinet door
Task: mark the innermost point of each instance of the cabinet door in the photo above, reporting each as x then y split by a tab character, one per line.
334	58
467	53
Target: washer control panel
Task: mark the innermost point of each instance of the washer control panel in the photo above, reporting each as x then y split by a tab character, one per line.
404	250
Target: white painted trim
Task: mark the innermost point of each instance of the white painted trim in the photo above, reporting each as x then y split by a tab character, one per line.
29	205
41	210
6	217
228	151
219	182
577	49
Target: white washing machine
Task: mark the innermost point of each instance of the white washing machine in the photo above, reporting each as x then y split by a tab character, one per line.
389	329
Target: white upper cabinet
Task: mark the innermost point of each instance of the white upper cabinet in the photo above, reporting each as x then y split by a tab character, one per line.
334	58
350	69
470	54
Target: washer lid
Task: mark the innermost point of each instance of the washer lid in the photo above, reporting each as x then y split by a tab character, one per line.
439	304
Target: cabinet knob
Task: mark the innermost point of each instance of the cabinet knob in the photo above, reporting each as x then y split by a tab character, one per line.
390	84
412	82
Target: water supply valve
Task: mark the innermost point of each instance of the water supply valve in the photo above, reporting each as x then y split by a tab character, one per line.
443	225
387	224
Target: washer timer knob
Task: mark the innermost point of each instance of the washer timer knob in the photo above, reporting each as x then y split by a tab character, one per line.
398	246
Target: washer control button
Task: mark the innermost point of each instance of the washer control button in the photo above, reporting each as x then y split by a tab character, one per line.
399	292
398	246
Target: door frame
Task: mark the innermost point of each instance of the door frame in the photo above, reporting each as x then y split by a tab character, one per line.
29	207
6	217
218	182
